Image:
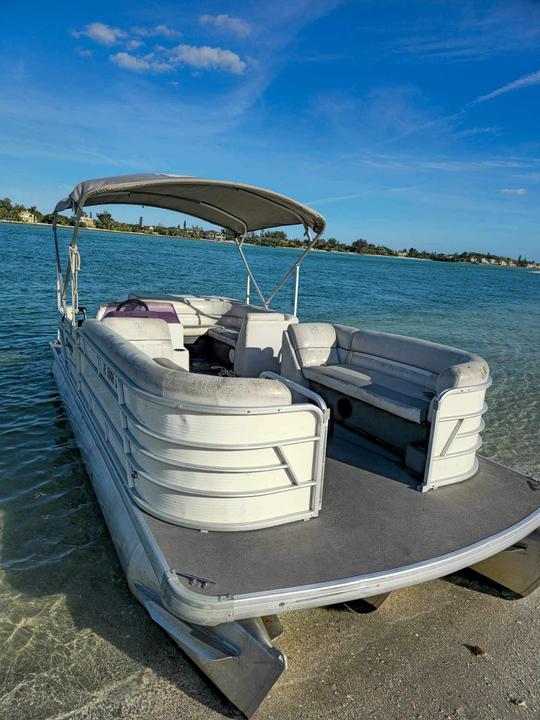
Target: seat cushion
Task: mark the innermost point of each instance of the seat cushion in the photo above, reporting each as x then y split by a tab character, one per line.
226	336
315	343
395	395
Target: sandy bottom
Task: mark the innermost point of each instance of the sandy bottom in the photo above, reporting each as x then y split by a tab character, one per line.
407	660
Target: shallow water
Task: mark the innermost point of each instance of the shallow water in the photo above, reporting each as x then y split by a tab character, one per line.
69	629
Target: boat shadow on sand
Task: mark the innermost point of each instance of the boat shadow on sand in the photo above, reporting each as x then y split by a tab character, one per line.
76	635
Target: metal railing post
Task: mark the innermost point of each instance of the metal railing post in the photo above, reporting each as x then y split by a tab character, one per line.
296	284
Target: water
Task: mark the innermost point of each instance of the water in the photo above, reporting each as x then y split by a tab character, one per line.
69	629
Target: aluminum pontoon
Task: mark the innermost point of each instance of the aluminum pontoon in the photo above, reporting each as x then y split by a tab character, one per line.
248	464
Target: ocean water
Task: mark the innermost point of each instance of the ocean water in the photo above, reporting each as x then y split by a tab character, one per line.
69	628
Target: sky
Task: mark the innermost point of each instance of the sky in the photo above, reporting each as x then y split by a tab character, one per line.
405	123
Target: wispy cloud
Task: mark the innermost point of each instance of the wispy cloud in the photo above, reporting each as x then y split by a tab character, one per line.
84	52
513	191
204	57
472	132
335	198
406	163
384	116
157	31
522	82
139	64
233	25
356	196
101	33
477	32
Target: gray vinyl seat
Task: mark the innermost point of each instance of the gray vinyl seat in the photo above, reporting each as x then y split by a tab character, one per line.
423	399
398	374
395	395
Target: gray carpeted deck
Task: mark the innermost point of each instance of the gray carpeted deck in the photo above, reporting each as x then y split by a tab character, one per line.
372	519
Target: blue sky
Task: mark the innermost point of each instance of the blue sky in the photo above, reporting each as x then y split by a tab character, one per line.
406	123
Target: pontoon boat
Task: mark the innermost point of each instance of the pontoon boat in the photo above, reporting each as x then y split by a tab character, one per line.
248	464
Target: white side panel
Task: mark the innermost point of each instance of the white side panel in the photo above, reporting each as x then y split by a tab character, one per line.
197	511
199	427
455	436
223	470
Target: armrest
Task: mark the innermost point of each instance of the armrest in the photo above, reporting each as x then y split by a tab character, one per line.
295	387
465	374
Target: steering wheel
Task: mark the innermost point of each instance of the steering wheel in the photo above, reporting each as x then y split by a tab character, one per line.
131	304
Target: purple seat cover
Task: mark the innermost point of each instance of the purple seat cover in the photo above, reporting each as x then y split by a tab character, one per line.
160	310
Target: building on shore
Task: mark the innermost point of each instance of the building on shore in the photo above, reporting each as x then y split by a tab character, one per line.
215	235
27	216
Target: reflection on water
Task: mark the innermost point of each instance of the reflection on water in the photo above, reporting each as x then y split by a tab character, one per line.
69	629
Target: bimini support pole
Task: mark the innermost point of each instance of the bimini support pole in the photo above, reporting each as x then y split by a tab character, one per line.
72	272
295	268
248	289
59	280
250	277
239	241
296	285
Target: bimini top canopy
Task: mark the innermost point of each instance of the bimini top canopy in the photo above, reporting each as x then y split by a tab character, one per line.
240	208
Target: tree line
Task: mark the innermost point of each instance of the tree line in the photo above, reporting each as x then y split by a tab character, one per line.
268	238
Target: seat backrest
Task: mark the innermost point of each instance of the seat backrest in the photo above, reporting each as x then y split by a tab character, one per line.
200	311
259	344
151	335
429	356
438	366
234	317
316	344
431	364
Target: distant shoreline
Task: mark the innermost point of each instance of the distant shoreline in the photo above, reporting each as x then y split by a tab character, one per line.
218	242
283	247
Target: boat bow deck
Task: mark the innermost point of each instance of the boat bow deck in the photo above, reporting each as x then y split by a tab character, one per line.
373	520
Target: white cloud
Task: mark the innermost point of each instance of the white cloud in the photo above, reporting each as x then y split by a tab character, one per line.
101	33
139	64
134	44
207	57
83	52
156	31
522	82
234	25
513	191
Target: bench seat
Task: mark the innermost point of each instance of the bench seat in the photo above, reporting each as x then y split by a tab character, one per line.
423	399
395	395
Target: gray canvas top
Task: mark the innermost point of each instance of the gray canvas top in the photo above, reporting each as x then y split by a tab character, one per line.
235	206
